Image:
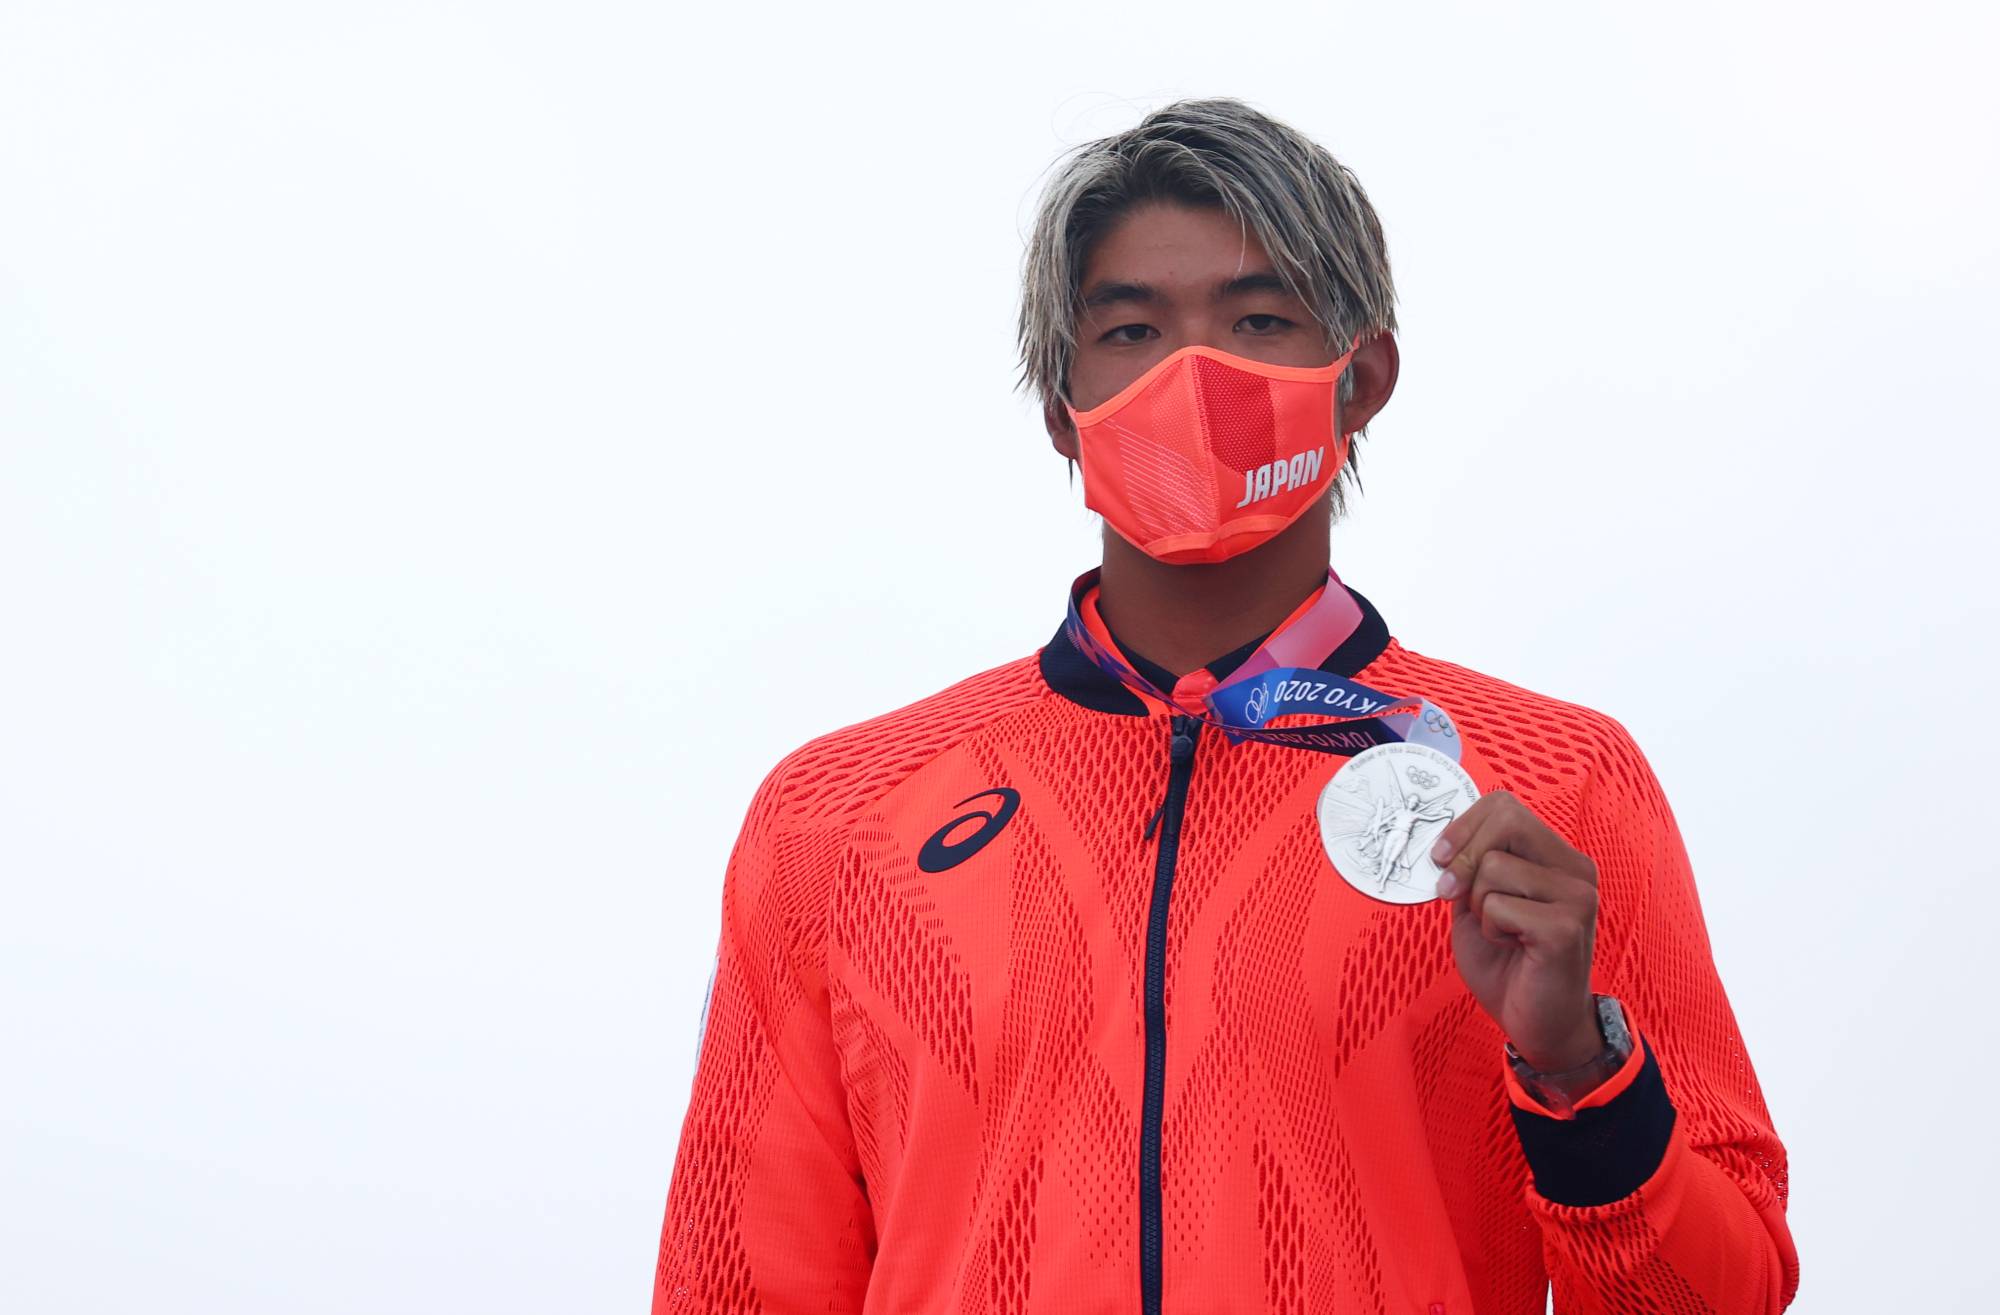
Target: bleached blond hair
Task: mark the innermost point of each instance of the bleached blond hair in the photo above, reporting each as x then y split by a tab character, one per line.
1304	206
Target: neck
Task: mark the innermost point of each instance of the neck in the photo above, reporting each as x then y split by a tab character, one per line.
1184	617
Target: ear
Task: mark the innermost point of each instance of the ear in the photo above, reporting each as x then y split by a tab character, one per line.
1375	366
1062	433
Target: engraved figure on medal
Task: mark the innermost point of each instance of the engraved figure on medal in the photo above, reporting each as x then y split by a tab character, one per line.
1382	811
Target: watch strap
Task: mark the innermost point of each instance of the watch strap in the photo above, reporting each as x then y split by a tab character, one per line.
1560	1094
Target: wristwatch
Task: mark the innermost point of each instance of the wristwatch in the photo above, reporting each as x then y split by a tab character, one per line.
1553	1089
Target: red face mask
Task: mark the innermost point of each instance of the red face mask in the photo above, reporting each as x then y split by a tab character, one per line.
1208	455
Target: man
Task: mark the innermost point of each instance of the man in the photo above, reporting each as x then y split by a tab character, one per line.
1225	955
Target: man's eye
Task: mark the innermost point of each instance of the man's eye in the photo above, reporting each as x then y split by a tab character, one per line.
1263	323
1131	333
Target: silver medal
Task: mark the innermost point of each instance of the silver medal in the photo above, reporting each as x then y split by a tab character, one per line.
1382	812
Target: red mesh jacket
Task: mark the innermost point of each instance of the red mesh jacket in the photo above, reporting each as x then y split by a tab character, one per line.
981	1039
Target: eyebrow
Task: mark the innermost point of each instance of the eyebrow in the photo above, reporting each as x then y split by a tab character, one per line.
1108	294
1117	291
1262	282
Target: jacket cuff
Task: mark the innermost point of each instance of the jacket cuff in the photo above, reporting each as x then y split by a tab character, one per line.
1613	1141
1603	1093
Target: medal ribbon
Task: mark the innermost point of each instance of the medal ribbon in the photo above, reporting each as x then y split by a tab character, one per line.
1281	680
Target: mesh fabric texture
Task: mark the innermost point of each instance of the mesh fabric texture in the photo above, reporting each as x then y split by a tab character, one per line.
920	1091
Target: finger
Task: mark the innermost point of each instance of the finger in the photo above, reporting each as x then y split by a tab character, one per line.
1459	830
1518	829
1464	840
1501	821
1503	873
1551	930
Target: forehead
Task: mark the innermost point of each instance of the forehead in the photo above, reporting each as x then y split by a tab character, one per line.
1174	247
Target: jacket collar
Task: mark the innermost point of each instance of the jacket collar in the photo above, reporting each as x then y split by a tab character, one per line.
1074	676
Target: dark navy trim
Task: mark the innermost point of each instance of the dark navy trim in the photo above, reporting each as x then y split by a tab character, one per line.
1184	733
1364	645
1069	673
1603	1154
1165	679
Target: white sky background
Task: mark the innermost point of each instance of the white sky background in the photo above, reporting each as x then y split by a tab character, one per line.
448	453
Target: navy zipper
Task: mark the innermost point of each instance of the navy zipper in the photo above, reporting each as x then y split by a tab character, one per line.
1180	747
